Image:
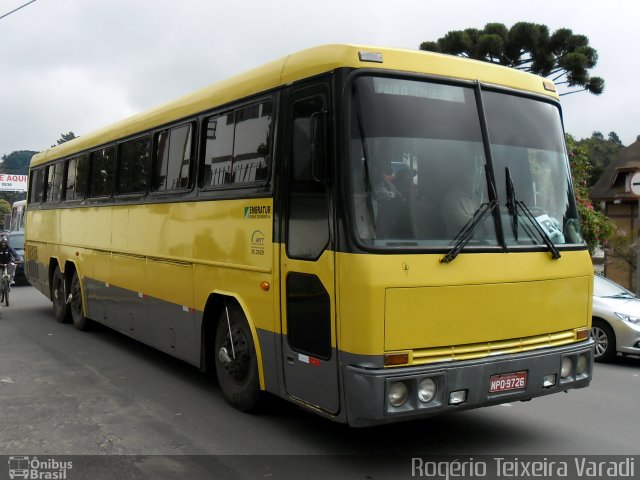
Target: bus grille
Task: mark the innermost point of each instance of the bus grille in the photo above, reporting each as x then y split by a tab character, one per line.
485	349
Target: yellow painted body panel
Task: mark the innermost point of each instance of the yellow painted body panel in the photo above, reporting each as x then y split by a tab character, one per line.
178	252
297	66
421	317
407	302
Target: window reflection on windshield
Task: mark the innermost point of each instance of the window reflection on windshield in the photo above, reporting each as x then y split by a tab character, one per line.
418	164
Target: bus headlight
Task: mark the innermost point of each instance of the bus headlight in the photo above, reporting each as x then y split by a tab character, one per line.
398	394
427	390
583	362
565	371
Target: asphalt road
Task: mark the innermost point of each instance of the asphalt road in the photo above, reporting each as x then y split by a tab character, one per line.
66	392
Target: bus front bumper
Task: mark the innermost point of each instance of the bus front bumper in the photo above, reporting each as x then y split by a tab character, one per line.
462	385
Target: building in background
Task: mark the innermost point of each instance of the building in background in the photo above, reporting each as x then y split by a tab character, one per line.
615	190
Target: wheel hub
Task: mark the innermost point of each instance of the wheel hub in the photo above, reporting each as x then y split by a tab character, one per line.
236	367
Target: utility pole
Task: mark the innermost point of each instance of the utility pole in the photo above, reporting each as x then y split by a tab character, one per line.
635	189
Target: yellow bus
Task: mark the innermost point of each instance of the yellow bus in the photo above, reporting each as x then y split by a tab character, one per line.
374	234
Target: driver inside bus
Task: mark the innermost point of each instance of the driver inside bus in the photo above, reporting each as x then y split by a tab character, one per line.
7	258
394	194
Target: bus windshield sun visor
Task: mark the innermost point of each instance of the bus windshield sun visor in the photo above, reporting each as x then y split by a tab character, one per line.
513	205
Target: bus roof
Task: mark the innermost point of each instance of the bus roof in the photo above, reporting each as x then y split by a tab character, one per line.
297	66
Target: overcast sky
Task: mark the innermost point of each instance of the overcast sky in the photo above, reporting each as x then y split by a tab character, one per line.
77	65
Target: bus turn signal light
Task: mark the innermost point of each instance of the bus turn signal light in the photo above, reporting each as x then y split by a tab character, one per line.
265	286
582	334
391	359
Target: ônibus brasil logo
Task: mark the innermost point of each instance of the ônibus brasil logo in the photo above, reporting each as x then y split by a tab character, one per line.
37	469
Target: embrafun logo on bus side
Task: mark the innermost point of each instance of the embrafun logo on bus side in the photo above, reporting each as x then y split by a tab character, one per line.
257	211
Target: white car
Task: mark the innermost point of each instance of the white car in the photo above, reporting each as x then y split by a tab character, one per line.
616	320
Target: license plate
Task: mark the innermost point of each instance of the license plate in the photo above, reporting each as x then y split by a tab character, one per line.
507	381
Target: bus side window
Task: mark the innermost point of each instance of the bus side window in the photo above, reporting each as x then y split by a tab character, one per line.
102	172
238	146
133	165
76	178
173	156
218	150
37	185
251	145
54	182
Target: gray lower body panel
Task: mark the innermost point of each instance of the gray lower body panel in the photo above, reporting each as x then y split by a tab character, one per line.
366	389
171	328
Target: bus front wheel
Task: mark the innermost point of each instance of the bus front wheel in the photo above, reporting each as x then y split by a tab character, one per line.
235	360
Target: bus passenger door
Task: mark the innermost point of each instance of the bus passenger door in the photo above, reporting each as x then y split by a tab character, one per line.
307	259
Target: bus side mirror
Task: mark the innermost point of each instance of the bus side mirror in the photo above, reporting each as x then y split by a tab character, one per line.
318	146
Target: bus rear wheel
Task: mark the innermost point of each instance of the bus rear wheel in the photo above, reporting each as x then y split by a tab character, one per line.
235	360
61	308
79	320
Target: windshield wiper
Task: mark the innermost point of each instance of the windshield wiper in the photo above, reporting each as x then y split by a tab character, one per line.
513	205
466	233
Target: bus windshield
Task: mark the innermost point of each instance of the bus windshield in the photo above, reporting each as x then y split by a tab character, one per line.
418	169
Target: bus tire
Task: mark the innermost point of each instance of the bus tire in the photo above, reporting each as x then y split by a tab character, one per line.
238	377
61	309
79	320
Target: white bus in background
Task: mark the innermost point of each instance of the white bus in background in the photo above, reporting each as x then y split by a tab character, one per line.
17	216
16	234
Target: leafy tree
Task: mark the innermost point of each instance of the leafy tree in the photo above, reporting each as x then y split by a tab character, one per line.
600	152
64	137
613	137
623	244
11	197
596	228
5	208
17	162
563	56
